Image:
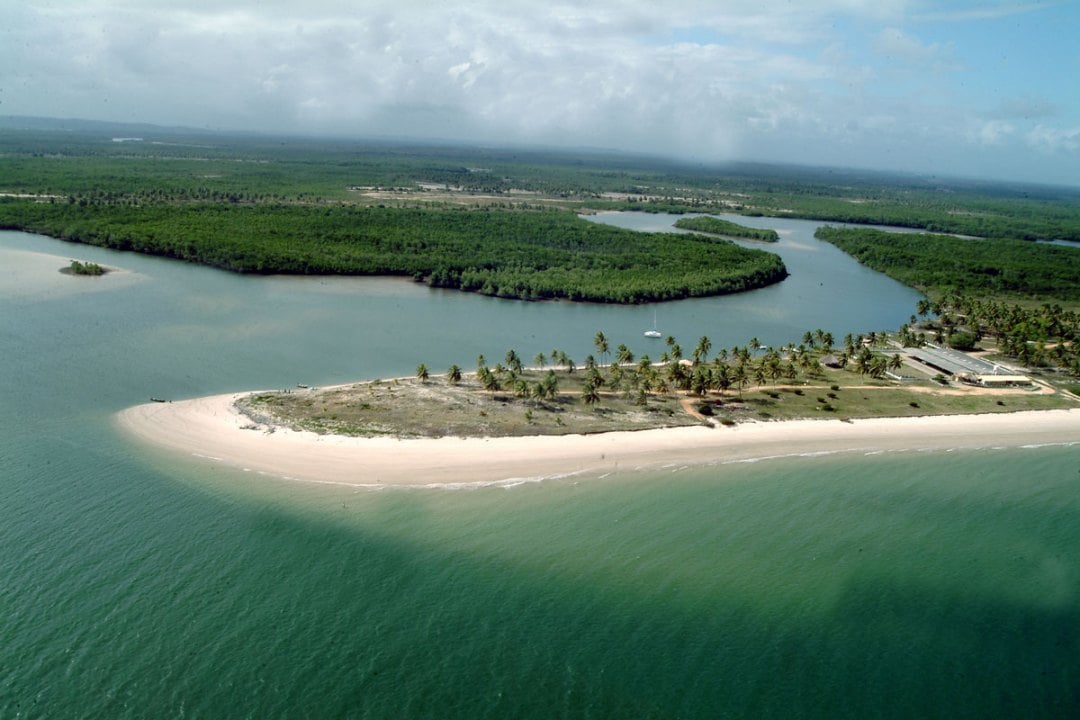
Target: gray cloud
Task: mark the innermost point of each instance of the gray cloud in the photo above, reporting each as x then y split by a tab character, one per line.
765	79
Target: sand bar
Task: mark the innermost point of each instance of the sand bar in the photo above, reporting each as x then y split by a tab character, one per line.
213	429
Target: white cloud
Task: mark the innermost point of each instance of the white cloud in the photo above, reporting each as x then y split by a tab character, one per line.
767	78
1054	140
991	132
898	45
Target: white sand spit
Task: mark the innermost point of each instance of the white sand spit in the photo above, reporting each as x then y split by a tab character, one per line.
211	427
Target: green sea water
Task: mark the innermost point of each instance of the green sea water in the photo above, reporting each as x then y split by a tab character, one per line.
136	583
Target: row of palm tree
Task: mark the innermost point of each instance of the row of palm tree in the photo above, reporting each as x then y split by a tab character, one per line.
637	378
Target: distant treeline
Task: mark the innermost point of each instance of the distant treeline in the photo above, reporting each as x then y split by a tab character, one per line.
505	253
175	166
943	263
716	226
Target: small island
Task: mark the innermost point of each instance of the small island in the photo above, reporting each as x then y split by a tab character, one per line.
78	267
716	226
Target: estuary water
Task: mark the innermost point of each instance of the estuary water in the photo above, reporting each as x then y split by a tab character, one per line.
135	583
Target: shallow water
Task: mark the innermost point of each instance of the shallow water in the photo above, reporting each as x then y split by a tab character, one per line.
136	583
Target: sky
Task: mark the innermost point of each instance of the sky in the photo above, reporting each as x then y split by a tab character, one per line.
964	88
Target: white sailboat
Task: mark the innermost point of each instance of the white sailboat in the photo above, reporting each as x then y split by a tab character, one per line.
654	333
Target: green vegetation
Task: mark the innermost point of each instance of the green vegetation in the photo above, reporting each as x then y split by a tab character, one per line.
501	221
515	254
532	402
85	268
733	386
1047	336
939	264
717	226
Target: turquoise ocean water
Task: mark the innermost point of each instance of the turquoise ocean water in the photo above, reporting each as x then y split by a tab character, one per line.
135	583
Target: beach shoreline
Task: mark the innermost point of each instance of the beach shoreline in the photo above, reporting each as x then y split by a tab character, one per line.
213	429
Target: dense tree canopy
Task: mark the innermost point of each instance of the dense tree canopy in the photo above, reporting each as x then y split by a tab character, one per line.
717	226
942	263
518	254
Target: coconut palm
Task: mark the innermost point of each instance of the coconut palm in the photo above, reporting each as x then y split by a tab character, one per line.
700	381
540	360
863	360
601	343
625	356
513	361
422	373
490	381
740	377
721	377
551	385
701	351
454	374
590	394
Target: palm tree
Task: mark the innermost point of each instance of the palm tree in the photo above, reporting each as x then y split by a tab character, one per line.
513	361
615	377
704	345
538	391
590	394
454	374
551	385
540	360
739	377
678	376
773	368
490	381
721	377
864	360
625	356
700	380
896	362
422	373
601	343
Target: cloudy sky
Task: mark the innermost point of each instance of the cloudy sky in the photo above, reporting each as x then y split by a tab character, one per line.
980	88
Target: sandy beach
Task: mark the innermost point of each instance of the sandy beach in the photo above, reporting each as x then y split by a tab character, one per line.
213	429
